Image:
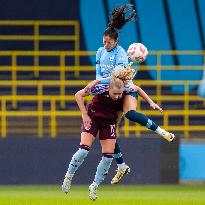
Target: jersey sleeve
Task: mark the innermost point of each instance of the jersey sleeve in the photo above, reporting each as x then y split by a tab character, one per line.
98	89
98	69
97	63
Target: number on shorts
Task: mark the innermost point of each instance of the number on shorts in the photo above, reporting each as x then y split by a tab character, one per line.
112	130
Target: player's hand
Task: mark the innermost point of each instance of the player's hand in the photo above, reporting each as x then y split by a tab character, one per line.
86	121
154	106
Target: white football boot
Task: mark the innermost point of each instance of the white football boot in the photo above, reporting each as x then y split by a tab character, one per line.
93	191
168	136
66	184
120	173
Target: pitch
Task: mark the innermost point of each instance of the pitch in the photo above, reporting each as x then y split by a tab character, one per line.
108	195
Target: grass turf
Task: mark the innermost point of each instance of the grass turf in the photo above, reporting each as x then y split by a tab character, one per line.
107	195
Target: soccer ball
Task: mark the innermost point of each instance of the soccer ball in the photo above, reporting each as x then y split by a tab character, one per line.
137	52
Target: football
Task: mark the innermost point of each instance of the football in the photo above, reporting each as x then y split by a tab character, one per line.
137	52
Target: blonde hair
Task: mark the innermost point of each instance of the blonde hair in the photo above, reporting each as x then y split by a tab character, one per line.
124	74
116	82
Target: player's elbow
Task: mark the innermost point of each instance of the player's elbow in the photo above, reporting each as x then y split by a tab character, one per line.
80	94
77	95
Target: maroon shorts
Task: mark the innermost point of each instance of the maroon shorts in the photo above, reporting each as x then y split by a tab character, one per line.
105	126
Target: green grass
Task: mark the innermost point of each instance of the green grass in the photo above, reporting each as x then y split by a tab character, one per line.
107	195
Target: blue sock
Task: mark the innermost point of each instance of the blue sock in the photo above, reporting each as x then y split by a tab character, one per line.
103	168
141	119
117	154
77	159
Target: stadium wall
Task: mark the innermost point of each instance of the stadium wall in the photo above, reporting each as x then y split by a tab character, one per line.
44	161
192	166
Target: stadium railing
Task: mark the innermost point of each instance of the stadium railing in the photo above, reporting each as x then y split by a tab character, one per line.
62	68
37	36
54	112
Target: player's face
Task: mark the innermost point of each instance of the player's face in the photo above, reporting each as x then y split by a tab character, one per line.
115	93
109	43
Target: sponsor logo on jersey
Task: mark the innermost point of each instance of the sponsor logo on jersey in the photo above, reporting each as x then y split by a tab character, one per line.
107	67
122	59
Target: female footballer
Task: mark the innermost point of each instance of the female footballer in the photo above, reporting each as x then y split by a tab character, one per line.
98	117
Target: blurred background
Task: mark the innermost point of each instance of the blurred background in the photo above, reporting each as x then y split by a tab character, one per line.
47	53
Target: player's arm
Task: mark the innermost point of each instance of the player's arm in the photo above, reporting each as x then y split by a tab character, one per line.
90	85
104	79
79	96
147	98
97	63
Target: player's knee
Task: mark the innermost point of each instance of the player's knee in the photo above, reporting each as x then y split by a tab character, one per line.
85	147
81	154
83	151
132	115
137	117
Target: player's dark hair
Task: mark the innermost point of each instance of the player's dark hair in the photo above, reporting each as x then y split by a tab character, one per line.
119	19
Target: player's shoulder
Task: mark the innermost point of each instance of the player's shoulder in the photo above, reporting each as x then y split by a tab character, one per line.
120	49
100	49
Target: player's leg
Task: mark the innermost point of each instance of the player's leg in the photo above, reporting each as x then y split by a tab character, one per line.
122	167
131	114
87	138
117	152
107	136
77	159
108	146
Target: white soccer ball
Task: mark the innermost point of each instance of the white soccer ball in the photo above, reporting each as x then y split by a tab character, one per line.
137	52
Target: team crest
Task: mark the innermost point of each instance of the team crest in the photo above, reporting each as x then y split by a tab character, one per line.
111	58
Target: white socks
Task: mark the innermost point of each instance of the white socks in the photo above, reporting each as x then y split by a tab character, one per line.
121	166
159	130
69	175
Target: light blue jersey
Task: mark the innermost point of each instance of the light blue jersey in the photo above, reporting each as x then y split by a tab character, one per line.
106	61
